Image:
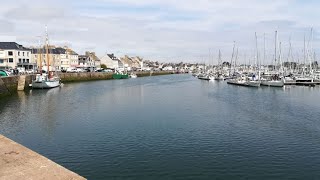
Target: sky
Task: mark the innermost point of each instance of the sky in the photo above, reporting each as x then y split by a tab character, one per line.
167	30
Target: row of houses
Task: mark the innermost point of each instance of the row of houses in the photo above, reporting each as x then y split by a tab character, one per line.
13	55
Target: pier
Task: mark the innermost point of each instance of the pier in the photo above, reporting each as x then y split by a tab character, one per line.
19	162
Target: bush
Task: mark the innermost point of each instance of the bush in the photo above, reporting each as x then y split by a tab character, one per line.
103	66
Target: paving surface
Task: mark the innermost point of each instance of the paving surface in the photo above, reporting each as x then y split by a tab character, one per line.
19	162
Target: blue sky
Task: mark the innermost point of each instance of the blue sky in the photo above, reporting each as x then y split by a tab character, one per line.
165	30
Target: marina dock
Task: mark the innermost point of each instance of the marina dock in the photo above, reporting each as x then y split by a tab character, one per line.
19	162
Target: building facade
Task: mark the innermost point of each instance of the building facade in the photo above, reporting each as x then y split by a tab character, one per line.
111	61
13	55
89	60
58	57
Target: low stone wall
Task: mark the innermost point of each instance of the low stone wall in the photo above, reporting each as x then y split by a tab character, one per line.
77	77
156	73
8	85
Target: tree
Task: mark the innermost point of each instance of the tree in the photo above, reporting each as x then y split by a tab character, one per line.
103	66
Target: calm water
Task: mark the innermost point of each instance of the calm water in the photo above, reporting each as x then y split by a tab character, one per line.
170	127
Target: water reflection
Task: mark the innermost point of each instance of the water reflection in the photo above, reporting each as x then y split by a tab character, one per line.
170	127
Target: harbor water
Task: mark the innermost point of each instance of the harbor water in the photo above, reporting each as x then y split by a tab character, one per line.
170	127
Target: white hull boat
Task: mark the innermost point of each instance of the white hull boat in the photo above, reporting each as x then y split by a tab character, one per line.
133	76
219	78
272	83
244	83
289	81
42	82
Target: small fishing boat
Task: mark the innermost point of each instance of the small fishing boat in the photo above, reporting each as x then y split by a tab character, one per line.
120	75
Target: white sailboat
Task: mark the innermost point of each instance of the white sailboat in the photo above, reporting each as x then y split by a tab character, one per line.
46	80
274	80
219	76
244	81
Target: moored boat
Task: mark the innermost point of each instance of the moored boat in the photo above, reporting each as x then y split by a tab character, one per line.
46	80
119	75
132	75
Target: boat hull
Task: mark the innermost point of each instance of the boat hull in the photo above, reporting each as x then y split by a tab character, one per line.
120	76
244	83
272	83
45	84
204	78
219	78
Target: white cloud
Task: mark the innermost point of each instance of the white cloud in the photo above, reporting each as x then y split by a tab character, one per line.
181	29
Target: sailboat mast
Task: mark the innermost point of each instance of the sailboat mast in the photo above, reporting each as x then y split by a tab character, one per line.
40	56
280	60
219	59
258	62
47	53
234	44
275	50
264	48
290	59
311	49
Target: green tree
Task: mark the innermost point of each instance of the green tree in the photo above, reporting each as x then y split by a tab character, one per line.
103	66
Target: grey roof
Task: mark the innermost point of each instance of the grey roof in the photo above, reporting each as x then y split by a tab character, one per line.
112	57
83	56
57	50
12	45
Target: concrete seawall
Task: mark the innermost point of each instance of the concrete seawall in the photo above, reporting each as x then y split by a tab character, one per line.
9	85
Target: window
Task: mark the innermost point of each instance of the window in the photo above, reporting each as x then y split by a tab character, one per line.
10	60
1	61
18	53
24	60
27	60
19	60
27	53
22	53
10	53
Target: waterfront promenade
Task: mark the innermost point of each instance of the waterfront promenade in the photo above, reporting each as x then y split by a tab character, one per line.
19	162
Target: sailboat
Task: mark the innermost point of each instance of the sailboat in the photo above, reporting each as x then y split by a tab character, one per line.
307	79
219	75
46	80
274	80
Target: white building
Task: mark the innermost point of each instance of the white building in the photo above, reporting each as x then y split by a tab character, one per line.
59	58
14	55
111	61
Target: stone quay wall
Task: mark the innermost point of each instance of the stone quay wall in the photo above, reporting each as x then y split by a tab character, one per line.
9	85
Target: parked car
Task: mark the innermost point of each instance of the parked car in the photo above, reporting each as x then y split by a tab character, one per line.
21	70
107	70
71	70
79	70
3	73
86	70
99	70
30	71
